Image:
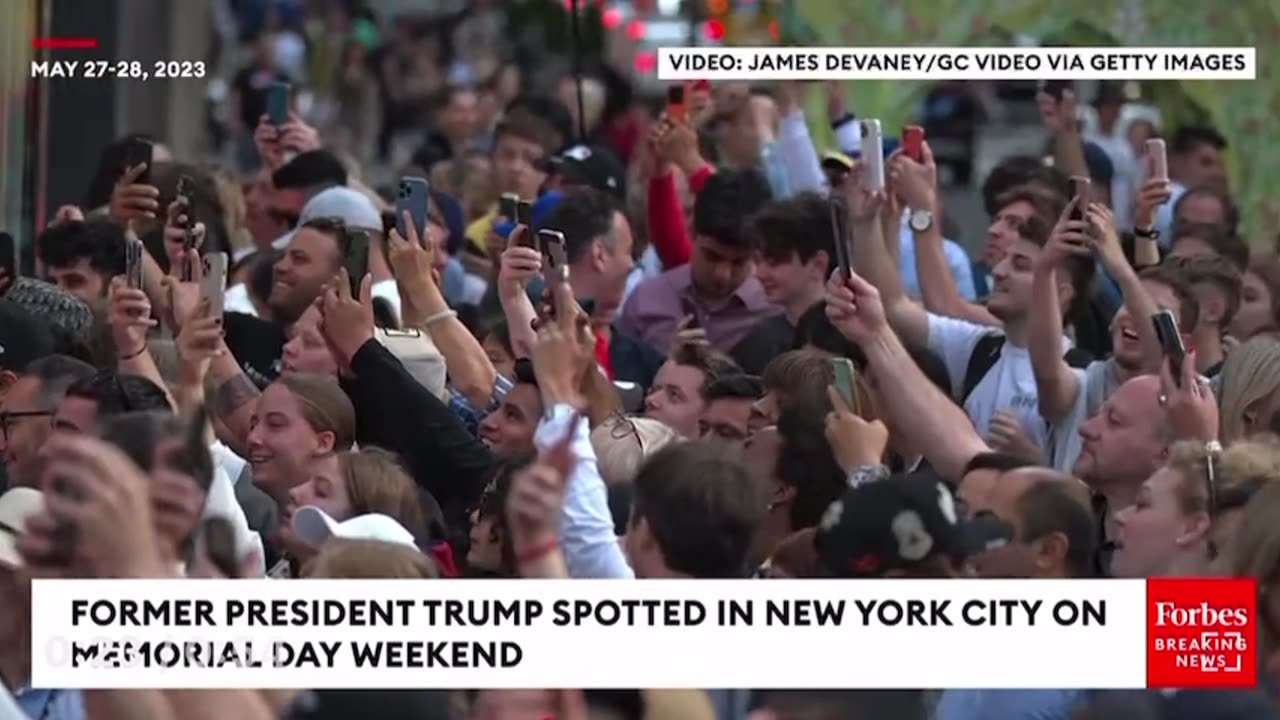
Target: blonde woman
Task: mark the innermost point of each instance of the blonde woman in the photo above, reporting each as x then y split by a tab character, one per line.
1255	552
1247	397
1185	512
623	443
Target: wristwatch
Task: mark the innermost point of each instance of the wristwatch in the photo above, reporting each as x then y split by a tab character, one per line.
920	220
1147	233
867	474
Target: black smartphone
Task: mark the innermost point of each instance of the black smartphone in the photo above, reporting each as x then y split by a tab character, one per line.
1055	88
278	103
137	152
840	235
8	260
1080	194
1170	341
675	102
689	310
524	213
413	197
356	259
507	206
186	196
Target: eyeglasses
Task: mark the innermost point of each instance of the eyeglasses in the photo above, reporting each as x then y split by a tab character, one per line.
7	419
622	427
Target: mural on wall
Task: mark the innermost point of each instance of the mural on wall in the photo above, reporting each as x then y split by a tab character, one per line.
1247	113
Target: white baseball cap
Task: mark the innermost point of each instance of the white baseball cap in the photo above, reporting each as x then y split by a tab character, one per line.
16	506
355	209
314	526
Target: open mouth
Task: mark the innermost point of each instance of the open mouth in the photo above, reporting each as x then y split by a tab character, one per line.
1129	334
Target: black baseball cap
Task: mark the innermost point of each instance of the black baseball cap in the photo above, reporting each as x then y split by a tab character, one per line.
23	339
594	166
898	523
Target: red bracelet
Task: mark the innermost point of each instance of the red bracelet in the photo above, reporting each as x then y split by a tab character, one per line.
534	552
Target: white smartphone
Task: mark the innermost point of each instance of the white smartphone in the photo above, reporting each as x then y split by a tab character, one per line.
213	287
1157	159
872	155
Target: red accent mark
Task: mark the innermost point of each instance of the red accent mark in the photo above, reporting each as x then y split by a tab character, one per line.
64	43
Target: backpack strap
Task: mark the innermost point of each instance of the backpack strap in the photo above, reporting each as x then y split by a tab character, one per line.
986	352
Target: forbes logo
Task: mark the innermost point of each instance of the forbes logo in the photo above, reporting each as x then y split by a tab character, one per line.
1200	633
1170	614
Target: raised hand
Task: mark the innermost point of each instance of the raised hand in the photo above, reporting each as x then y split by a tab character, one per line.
855	442
536	500
1057	116
518	265
914	183
1153	193
199	342
98	519
855	309
1105	239
175	236
1188	400
132	201
129	312
1068	237
1007	436
413	261
347	321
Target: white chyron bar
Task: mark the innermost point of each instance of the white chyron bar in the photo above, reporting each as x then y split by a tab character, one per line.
958	63
598	634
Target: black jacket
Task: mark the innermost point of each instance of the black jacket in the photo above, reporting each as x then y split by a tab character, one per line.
395	412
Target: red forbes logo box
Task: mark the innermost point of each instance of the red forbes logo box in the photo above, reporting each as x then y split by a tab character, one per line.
1202	633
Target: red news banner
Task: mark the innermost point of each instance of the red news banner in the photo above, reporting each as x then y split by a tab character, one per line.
1202	633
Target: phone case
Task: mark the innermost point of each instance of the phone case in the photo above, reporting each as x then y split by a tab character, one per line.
675	101
872	155
844	382
555	262
1080	192
278	103
913	142
524	213
139	151
1157	159
840	237
413	195
1170	340
357	259
133	250
213	286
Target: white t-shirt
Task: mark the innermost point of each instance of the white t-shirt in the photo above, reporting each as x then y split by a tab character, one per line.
1009	385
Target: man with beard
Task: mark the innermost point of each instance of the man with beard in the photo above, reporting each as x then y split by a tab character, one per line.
310	261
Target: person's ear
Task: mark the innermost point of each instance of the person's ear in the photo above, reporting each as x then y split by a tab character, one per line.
7	379
325	440
599	256
1250	415
1051	551
820	264
782	494
1195	529
1066	290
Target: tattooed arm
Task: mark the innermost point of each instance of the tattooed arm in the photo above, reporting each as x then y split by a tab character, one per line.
232	397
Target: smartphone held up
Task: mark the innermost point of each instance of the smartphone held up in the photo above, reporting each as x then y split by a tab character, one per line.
872	156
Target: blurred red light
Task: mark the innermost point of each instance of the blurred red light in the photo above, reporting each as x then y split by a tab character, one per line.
645	62
611	18
773	31
713	29
635	29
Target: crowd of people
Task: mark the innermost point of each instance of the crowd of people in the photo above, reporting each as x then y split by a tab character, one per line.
667	403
